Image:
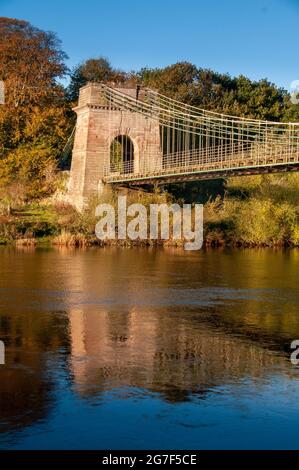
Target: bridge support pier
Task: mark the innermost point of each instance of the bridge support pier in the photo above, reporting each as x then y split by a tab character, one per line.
99	125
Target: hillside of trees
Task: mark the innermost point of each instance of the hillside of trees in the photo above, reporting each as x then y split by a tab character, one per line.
37	119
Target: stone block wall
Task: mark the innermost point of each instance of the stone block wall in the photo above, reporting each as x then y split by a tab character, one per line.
97	126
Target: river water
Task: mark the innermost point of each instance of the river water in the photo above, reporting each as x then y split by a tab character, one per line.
148	349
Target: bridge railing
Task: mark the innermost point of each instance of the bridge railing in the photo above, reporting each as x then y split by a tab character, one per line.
193	139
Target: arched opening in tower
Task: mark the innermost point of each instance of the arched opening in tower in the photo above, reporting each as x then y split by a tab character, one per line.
122	155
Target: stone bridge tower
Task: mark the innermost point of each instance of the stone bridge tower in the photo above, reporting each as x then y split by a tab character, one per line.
101	128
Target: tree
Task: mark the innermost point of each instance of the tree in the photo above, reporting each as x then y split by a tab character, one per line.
258	100
175	81
210	90
291	113
35	119
92	70
31	61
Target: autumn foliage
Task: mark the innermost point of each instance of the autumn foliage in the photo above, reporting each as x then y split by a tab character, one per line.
35	120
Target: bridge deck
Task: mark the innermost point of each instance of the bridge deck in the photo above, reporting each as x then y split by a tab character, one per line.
210	169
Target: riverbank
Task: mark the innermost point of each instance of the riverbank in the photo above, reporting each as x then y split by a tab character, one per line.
253	211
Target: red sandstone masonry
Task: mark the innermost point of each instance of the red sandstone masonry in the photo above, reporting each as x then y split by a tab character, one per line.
97	126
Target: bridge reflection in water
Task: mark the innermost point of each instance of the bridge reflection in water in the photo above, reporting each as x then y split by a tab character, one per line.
113	349
175	324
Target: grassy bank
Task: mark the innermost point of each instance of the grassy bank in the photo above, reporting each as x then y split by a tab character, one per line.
251	211
255	211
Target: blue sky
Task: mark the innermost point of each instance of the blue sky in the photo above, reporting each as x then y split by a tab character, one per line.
258	38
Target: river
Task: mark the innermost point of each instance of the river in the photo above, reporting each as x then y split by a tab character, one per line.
148	348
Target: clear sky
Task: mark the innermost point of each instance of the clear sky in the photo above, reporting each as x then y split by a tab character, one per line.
257	38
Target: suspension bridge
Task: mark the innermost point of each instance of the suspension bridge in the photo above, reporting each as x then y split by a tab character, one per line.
137	137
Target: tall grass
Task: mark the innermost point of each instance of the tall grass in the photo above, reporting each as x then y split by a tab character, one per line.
69	239
257	210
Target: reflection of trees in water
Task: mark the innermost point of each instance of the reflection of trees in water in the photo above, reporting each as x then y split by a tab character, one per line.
24	392
26	384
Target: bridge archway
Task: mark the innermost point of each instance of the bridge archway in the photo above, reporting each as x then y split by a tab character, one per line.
122	154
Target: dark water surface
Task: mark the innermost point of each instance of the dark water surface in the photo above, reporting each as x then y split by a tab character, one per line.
119	348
